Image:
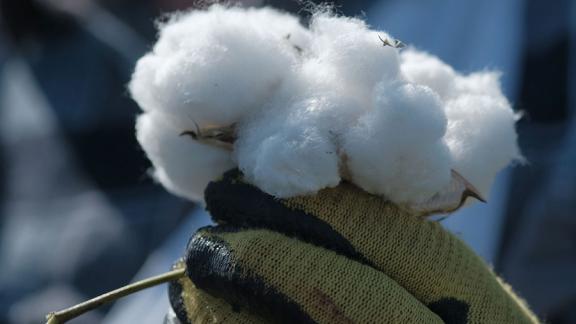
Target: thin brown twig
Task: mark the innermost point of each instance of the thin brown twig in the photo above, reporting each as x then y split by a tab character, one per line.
67	314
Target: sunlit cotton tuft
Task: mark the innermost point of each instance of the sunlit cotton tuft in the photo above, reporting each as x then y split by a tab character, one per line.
299	109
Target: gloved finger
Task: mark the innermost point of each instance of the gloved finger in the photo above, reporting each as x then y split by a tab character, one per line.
192	305
286	280
429	262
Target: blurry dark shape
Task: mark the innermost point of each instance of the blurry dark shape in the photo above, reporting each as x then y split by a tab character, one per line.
170	5
78	209
538	258
3	178
22	19
539	240
544	88
84	81
72	7
543	97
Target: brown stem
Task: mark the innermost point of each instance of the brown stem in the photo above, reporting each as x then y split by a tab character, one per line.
67	314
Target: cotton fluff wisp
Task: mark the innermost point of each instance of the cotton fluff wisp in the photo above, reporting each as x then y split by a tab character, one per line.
298	109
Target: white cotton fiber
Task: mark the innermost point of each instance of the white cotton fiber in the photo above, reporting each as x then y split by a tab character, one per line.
428	70
300	109
292	148
486	83
481	137
182	165
354	51
397	149
212	67
291	163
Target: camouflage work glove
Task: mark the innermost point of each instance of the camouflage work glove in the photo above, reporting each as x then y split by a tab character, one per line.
340	256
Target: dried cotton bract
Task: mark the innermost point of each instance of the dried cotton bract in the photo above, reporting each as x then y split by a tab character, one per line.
307	107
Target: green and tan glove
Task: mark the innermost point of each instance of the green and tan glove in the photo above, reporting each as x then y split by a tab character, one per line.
340	256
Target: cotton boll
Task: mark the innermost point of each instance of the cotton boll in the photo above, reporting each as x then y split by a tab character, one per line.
481	132
181	164
481	137
423	68
251	133
330	112
216	66
216	89
414	110
290	149
403	176
316	97
306	108
294	164
355	51
286	161
315	80
397	150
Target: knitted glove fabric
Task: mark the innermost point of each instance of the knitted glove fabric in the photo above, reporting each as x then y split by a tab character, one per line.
339	256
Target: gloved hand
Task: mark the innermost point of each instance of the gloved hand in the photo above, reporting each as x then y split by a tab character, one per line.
340	256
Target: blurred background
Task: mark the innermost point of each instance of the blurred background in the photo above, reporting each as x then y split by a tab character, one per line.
80	216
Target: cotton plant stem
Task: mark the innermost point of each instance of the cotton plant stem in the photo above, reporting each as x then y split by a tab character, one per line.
67	314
